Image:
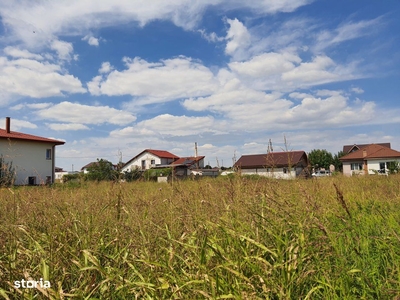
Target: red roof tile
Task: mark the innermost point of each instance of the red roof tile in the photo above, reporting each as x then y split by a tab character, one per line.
28	137
189	161
273	159
371	151
161	153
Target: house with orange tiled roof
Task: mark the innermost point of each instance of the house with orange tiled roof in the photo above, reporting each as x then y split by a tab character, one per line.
149	158
31	156
370	159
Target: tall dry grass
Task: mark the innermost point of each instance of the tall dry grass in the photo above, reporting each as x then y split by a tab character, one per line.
239	238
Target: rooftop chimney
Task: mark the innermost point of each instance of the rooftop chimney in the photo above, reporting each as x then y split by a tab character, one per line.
8	124
364	153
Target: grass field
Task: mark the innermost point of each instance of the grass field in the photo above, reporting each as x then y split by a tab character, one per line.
224	238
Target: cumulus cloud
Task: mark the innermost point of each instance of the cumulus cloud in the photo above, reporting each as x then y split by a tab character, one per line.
36	79
238	38
17	124
21	53
92	41
156	82
64	49
85	114
66	126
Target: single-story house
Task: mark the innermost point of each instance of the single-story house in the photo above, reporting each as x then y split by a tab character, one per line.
31	156
370	159
188	164
283	165
148	159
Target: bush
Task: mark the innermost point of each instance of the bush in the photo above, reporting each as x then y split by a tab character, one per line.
7	173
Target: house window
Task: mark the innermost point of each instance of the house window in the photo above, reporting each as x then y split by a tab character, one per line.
143	164
153	161
48	153
32	180
356	166
285	170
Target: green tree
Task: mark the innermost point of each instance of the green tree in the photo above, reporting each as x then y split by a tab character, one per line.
336	162
320	158
102	170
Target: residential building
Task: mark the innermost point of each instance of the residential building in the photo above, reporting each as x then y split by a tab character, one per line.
33	157
283	165
148	159
370	159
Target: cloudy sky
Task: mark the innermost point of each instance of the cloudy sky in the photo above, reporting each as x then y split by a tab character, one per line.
112	78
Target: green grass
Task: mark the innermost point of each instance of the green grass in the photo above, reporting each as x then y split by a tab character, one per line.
224	238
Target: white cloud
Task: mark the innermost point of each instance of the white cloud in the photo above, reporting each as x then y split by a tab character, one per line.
64	49
36	79
67	126
156	82
344	32
238	38
18	53
17	124
106	67
92	41
85	114
357	90
36	22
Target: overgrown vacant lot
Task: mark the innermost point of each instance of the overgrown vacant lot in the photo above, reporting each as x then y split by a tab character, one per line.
241	238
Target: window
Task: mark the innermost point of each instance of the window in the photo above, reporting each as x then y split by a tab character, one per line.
32	180
153	161
285	170
48	179
48	153
356	166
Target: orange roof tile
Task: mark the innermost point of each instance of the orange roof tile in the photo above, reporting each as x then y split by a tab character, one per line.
370	152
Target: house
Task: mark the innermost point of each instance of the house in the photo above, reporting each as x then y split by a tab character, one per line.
370	159
59	173
283	165
85	168
32	157
351	148
148	159
188	164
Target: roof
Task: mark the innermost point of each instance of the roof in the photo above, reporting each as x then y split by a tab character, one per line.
91	164
371	151
188	161
27	137
356	147
158	153
273	159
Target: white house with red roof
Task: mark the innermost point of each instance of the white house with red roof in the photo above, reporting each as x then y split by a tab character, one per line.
148	159
33	157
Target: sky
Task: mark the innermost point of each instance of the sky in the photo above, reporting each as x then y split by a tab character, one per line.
112	78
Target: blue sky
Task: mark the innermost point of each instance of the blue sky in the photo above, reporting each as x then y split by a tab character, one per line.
111	77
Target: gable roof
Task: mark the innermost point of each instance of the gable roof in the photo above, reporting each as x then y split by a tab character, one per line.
187	161
273	159
14	135
370	152
158	153
356	147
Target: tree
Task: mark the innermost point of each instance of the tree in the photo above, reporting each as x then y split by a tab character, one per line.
336	162
102	170
320	158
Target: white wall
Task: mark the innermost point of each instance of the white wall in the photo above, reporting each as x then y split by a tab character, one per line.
274	173
373	164
29	159
137	163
